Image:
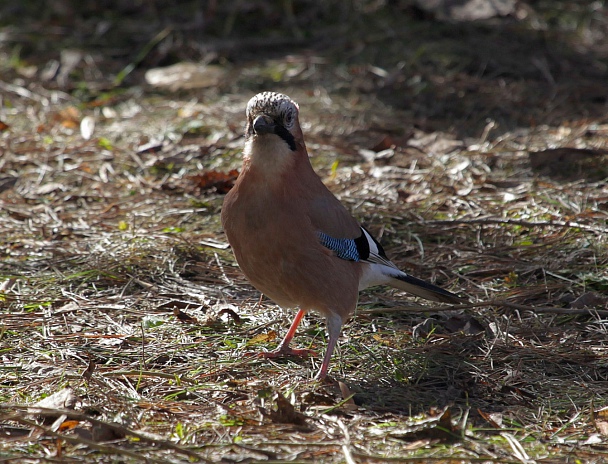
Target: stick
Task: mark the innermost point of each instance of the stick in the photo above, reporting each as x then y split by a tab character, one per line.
506	304
515	222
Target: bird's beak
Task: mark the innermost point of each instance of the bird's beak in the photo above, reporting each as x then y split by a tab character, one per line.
263	125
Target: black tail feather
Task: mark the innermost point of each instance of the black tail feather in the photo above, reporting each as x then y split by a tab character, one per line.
423	289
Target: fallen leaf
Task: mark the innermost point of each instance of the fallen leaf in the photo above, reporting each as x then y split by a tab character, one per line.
262	338
235	317
602	427
69	117
348	396
600	419
283	412
384	341
63	399
88	372
317	399
601	413
183	317
221	182
494	419
68	425
384	144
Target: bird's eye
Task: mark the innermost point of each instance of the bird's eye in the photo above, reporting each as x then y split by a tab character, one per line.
288	118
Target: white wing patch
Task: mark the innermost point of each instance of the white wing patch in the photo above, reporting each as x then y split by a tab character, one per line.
375	256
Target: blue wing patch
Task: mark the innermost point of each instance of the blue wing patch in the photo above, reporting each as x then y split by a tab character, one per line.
344	248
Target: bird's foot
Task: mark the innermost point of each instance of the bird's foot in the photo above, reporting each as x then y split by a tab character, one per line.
282	351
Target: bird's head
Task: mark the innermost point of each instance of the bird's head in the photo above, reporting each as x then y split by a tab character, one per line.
272	121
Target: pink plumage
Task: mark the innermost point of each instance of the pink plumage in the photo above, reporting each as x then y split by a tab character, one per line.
292	238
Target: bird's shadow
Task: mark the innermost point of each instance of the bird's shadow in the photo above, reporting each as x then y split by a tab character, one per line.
478	374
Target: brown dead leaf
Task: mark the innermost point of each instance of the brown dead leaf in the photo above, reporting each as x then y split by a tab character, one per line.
602	427
68	117
235	317
384	341
88	372
348	396
183	317
317	399
262	338
384	144
3	126
600	420
283	412
601	413
494	419
68	425
211	319
221	182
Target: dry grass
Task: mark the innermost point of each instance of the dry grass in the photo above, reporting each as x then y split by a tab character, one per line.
102	263
116	284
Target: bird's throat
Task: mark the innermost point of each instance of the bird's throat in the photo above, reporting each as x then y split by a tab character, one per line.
269	154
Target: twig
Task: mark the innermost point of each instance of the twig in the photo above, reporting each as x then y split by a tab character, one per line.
515	222
142	373
385	459
76	440
73	415
518	450
506	304
551	309
23	92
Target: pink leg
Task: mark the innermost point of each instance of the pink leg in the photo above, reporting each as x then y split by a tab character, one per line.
334	326
284	349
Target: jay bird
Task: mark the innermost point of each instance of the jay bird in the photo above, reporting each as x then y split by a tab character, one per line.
293	239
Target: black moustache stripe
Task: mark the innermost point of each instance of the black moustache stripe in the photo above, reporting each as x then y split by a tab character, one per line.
285	135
